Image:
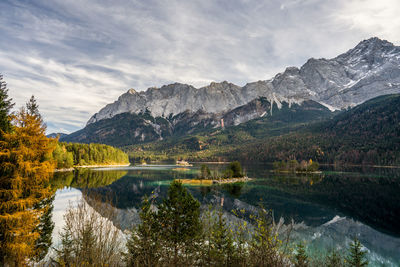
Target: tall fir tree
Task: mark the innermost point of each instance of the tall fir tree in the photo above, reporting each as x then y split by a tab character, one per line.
179	216
33	108
5	107
144	248
222	251
265	243
301	258
44	228
26	168
356	257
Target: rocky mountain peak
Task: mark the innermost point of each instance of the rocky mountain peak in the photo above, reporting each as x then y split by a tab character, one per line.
374	42
371	51
221	85
132	91
370	69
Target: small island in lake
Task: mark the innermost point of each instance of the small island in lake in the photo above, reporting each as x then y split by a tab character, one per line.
293	166
232	174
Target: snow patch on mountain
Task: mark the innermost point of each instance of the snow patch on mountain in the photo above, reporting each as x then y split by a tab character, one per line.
369	70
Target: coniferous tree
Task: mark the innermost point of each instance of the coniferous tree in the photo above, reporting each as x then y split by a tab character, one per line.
5	107
44	228
264	245
144	248
179	216
356	257
222	252
333	259
301	258
33	108
24	183
205	172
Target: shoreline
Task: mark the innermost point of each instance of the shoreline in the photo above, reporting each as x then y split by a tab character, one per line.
211	162
361	165
214	181
297	172
91	166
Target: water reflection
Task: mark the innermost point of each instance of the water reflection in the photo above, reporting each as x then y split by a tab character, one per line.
86	178
327	208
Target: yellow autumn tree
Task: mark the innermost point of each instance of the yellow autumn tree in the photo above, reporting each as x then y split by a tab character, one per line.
25	169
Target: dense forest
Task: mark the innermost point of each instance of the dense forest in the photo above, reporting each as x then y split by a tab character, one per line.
68	155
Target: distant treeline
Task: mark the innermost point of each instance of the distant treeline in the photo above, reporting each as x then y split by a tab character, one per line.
68	155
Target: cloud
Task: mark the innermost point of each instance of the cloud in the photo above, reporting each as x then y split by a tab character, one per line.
77	56
379	18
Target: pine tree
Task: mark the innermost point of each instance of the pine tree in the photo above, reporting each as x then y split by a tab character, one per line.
24	183
333	259
44	228
33	108
356	257
205	172
179	216
222	252
5	107
264	245
301	256
144	248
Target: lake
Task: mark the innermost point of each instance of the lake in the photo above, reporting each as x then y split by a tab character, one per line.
327	209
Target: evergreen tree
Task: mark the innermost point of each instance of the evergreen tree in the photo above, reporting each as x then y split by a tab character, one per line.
356	257
33	108
234	170
264	245
301	258
205	172
44	228
24	183
179	216
222	251
5	107
144	248
333	259
241	232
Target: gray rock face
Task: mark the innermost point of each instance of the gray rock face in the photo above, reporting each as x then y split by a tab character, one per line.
369	70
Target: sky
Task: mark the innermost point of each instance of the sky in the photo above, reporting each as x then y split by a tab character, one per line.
78	56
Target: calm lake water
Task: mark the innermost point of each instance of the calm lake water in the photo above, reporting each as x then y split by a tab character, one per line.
328	209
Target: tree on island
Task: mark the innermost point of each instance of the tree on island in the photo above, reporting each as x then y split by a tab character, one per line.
234	170
205	172
294	166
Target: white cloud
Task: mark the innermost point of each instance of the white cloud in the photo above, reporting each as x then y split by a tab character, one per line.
380	18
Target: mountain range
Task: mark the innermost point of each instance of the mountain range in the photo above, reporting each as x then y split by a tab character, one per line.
318	90
370	69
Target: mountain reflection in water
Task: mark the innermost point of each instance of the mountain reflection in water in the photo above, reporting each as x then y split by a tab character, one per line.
328	209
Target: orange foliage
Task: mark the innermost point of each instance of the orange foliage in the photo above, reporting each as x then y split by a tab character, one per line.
25	171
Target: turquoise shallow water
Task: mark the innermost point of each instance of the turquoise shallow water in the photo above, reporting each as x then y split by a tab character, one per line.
327	209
